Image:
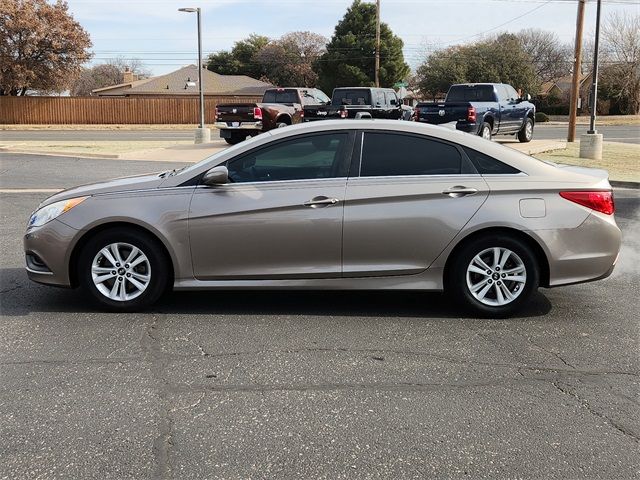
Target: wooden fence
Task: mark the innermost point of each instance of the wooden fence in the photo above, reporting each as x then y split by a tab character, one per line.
106	110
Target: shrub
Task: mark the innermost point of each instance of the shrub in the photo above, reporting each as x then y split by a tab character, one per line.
541	117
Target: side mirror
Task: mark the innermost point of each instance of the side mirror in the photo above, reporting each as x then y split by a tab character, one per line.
216	176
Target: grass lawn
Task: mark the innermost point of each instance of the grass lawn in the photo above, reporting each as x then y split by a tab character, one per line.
622	160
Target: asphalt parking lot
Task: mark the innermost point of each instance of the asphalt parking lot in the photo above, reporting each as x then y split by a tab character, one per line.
310	385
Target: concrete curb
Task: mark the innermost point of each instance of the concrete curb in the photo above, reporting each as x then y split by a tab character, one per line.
111	156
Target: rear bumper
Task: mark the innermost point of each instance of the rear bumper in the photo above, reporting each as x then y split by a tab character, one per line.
583	254
241	126
472	128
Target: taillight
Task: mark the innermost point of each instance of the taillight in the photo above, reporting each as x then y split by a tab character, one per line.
301	113
471	114
416	114
217	113
344	114
257	113
598	201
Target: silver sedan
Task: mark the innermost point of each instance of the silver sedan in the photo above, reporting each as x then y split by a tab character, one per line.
364	204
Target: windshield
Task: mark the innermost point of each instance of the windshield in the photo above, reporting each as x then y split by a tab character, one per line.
471	93
351	97
285	96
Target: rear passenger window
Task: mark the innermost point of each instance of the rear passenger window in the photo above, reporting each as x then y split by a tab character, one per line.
487	165
391	154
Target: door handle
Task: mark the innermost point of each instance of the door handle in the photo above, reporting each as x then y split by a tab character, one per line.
321	201
460	191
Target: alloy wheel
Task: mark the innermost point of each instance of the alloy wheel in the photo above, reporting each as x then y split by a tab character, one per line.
121	271
496	276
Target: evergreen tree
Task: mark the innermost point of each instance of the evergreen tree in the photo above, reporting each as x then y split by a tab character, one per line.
350	57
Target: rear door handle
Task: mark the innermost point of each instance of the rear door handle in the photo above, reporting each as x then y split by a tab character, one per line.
460	191
321	201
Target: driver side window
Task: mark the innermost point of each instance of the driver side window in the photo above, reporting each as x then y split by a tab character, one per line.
305	157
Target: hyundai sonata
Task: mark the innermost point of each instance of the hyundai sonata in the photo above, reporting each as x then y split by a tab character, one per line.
365	204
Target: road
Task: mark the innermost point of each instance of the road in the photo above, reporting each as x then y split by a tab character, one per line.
614	133
310	385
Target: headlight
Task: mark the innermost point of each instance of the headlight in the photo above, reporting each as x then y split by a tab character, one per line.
48	213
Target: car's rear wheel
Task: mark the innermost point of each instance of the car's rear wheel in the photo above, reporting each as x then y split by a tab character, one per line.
526	132
123	269
493	276
485	131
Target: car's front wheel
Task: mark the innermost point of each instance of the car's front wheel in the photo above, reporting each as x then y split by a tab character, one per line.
123	269
493	276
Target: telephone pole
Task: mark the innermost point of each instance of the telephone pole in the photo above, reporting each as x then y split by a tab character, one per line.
377	43
577	70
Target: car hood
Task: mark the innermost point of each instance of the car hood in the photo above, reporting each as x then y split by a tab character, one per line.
124	184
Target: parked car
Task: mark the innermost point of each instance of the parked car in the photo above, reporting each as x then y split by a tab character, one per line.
356	102
280	107
484	109
365	204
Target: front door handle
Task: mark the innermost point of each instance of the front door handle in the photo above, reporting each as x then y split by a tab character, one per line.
321	201
460	191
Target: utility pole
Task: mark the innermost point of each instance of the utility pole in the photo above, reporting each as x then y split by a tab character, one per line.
591	142
594	83
575	82
377	74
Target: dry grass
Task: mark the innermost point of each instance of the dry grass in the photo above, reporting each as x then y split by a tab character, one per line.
93	147
600	120
621	160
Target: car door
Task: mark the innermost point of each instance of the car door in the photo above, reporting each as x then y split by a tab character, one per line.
519	108
409	197
393	104
279	217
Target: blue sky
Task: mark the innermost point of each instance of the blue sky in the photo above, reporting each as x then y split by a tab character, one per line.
165	39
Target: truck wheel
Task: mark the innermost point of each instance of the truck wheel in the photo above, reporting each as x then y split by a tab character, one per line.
526	133
235	138
281	125
485	131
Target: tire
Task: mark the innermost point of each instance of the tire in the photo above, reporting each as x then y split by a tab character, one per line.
98	258
520	265
235	138
526	132
281	124
485	131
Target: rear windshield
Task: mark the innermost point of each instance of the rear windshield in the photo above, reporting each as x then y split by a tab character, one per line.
351	97
467	93
284	96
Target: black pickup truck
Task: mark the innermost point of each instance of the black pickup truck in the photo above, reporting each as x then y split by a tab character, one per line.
353	102
483	109
279	107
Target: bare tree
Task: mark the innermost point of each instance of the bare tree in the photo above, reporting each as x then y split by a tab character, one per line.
41	46
620	53
107	74
550	58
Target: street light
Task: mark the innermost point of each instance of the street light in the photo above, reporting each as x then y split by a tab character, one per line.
203	134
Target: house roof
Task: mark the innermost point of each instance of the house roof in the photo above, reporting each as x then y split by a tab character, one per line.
185	82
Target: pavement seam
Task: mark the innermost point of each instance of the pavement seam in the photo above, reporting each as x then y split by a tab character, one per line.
164	441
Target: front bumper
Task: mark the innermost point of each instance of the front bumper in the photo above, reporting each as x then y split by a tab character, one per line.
48	251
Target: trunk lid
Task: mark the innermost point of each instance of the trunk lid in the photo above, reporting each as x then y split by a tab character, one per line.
438	113
236	113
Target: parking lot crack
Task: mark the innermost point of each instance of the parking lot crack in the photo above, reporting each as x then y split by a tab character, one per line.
546	350
565	390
